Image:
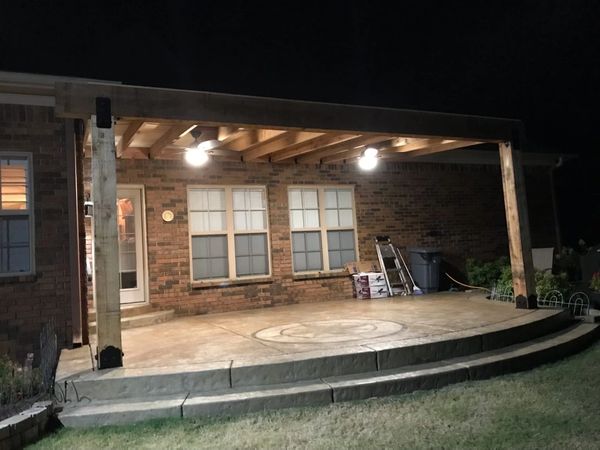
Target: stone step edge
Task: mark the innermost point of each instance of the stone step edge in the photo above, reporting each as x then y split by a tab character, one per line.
332	390
127	321
122	383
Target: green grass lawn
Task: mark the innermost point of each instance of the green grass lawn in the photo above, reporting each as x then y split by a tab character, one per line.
555	406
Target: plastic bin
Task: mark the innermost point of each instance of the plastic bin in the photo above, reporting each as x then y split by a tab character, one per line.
425	267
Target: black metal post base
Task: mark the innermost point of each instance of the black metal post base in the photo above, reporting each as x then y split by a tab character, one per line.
523	302
110	357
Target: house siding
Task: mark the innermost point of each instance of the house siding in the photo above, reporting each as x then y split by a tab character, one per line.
27	303
458	208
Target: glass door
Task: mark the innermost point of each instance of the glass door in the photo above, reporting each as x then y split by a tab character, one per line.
131	249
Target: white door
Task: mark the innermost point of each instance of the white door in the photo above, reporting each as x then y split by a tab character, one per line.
131	245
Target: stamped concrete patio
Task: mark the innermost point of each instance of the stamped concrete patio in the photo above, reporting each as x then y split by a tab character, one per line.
288	330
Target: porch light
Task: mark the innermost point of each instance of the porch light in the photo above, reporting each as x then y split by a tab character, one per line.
368	160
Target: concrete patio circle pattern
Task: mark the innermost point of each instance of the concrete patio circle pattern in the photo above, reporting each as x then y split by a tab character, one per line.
329	331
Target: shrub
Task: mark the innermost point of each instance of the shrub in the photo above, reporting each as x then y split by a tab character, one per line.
595	282
546	281
485	274
16	382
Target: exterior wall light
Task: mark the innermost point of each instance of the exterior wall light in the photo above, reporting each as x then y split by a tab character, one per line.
368	160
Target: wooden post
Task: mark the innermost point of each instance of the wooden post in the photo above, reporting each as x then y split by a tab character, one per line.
517	221
106	250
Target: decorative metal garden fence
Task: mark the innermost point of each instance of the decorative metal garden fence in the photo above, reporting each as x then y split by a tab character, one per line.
578	303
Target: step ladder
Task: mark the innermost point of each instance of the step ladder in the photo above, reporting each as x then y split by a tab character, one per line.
393	266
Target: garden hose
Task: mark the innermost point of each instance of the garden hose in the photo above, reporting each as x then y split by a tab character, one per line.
467	285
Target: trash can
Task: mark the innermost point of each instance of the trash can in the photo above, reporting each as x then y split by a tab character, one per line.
425	267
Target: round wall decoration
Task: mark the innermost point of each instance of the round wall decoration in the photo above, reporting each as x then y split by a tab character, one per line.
168	215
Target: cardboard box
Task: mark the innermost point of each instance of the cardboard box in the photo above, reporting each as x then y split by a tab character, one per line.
371	279
366	292
362	266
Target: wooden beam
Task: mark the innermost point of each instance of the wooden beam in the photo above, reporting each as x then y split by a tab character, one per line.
106	247
311	145
412	144
170	136
279	142
86	137
136	153
517	221
344	156
316	156
128	136
77	100
430	150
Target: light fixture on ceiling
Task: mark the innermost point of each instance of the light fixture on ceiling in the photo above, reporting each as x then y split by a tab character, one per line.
197	154
368	159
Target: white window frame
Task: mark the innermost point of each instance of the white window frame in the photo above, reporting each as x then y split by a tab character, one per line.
7	154
230	232
323	228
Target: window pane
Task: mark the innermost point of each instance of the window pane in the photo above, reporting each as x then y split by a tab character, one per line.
13	184
295	198
199	221
310	198
216	200
257	199
346	218
198	199
14	245
217	246
331	218
344	198
298	242
258	221
347	240
300	262
333	240
216	221
311	218
239	199
331	199
313	241
314	261
239	220
296	219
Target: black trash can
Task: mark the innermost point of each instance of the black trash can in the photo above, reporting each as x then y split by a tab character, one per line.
425	267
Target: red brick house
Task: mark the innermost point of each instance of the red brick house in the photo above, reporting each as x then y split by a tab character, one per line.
270	219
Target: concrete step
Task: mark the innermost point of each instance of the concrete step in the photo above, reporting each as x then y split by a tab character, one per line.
142	320
126	311
290	368
233	401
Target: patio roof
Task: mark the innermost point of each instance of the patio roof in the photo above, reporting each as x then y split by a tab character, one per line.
157	123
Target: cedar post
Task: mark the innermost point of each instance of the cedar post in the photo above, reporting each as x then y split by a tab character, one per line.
517	222
106	251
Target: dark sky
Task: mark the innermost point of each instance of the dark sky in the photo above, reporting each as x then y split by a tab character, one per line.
538	61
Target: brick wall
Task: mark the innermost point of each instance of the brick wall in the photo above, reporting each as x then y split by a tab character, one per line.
457	208
29	302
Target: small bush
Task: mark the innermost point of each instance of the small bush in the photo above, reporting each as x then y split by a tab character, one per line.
485	274
17	383
595	282
546	281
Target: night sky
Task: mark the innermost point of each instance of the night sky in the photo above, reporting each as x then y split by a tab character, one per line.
538	61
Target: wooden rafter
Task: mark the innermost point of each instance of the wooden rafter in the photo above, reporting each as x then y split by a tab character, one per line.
317	143
316	156
128	136
279	142
170	136
435	148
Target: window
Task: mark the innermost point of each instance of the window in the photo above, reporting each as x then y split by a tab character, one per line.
323	230
16	230
228	232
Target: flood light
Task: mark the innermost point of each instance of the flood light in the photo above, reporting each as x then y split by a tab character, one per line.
368	160
370	152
